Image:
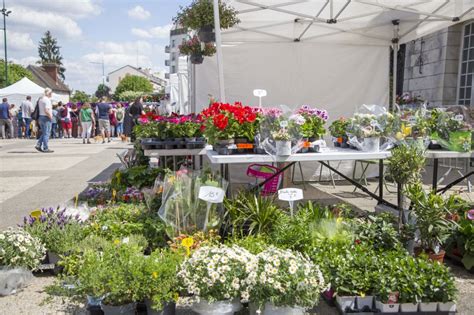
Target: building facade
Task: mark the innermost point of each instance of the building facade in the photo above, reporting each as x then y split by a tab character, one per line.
177	36
440	67
114	77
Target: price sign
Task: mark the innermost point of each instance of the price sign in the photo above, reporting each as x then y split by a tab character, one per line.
244	146
259	93
211	194
290	194
459	117
283	124
412	120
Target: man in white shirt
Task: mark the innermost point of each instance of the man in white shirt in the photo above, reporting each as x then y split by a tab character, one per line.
26	110
45	120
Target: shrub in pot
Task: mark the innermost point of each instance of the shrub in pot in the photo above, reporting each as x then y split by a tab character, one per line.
431	213
217	278
338	130
282	142
196	49
284	282
159	282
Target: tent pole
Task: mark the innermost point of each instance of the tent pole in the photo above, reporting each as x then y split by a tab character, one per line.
395	61
220	61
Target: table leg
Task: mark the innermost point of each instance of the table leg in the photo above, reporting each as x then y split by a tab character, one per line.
200	162
381	179
194	162
174	163
435	174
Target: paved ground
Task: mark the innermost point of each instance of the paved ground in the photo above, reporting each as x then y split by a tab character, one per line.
29	179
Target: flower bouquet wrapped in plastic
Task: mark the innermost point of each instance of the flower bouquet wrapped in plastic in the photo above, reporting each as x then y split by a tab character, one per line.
191	201
371	129
450	128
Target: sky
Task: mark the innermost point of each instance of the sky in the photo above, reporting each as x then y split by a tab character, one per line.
120	32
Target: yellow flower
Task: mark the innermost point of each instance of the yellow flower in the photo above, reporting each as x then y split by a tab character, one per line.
187	242
176	297
339	220
362	294
154	274
116	242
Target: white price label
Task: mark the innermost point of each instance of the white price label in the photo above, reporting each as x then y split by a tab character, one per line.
412	120
459	117
211	194
283	124
290	194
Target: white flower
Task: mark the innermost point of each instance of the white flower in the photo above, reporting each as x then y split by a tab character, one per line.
292	269
22	249
2	236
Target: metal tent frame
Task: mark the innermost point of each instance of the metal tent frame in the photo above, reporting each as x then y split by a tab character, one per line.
407	19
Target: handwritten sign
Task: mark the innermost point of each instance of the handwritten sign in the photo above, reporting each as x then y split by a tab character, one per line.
211	194
259	93
412	120
459	117
290	194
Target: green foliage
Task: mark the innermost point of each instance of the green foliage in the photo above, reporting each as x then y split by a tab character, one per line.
19	249
116	222
253	243
134	83
48	51
137	176
57	239
406	164
200	13
128	96
159	282
339	127
16	72
379	231
249	214
80	96
102	90
431	212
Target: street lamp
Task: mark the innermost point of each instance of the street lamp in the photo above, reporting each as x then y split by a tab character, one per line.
5	13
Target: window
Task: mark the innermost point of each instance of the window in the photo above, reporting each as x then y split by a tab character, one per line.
173	56
173	69
173	43
466	82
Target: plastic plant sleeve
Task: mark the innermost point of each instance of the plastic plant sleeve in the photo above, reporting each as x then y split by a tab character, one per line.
371	128
11	280
280	124
451	128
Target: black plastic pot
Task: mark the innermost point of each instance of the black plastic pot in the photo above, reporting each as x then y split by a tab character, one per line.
206	34
303	149
200	144
196	59
259	151
190	145
169	144
180	143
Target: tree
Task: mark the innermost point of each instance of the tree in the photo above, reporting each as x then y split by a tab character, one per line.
15	73
102	90
80	96
48	51
134	83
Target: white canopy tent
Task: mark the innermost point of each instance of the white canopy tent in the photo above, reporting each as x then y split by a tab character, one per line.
312	51
18	91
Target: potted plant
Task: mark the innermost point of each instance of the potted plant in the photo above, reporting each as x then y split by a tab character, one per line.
432	221
276	272
199	16
57	230
409	288
159	283
19	249
313	127
113	274
450	130
283	142
215	277
196	49
338	132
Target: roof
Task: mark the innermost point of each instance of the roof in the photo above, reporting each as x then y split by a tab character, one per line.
43	79
150	76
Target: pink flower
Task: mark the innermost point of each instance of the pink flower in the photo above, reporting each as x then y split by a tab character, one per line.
470	214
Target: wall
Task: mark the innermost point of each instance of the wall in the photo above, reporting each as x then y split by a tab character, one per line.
438	80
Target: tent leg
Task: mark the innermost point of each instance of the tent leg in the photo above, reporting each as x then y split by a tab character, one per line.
220	61
395	59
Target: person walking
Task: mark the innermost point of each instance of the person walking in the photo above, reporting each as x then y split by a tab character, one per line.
103	111
87	120
45	121
66	122
26	110
120	115
5	118
75	121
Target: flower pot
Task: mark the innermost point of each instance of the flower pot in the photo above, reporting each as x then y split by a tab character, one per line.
206	34
191	139
190	146
447	307
439	257
337	144
365	303
271	309
127	309
371	145
346	302
428	307
196	59
180	143
408	307
169	144
283	148
217	308
387	308
168	309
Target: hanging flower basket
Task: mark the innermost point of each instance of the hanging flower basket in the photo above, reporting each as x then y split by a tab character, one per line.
206	34
196	59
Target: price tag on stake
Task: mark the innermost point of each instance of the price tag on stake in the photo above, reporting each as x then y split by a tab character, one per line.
291	195
211	194
459	117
